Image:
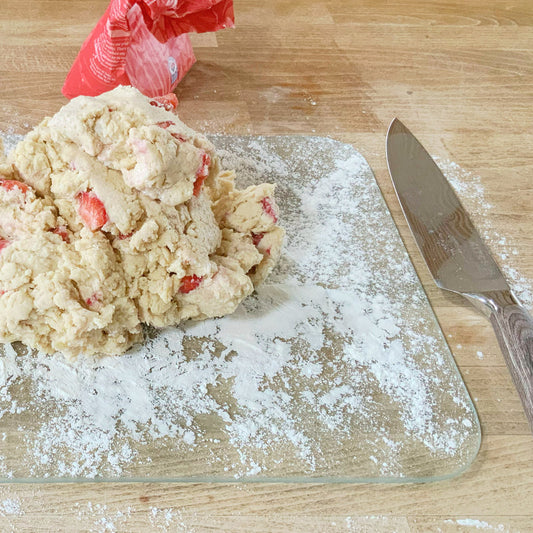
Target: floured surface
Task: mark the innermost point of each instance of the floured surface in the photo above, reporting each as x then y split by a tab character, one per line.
334	370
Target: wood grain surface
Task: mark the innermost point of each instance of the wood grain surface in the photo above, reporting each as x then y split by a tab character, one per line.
460	76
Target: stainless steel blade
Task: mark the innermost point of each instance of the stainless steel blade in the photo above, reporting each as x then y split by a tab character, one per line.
456	255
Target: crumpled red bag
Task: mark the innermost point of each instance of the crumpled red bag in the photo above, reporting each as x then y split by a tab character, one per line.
144	43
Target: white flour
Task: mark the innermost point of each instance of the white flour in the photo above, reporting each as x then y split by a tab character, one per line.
10	506
9	140
336	360
473	523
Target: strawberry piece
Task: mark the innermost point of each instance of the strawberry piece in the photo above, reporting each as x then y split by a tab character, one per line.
124	236
198	185
256	238
91	210
93	299
179	137
62	232
165	124
3	244
168	101
9	185
268	208
201	174
189	283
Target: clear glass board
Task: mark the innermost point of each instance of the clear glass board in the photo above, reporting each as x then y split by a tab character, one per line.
335	370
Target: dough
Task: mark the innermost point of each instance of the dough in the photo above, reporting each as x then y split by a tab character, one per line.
113	213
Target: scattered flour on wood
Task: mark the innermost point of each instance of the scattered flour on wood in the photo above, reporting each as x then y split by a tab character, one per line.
11	506
9	140
473	523
101	518
339	343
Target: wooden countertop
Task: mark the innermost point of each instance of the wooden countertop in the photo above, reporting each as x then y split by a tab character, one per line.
461	77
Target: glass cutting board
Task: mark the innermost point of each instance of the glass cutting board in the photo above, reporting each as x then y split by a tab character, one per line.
335	370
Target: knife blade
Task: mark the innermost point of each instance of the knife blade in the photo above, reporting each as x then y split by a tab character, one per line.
456	255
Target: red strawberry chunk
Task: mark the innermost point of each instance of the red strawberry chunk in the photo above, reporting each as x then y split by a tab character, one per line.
124	236
91	210
9	185
189	283
201	174
94	299
168	101
268	208
179	137
62	232
165	124
256	238
3	244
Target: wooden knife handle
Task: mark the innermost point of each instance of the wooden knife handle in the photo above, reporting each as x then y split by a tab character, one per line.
514	328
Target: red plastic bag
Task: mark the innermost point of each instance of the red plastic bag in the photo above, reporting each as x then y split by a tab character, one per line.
143	43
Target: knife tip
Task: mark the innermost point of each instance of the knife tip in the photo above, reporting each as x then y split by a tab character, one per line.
396	126
395	123
392	126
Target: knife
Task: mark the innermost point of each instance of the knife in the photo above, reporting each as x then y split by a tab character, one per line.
455	254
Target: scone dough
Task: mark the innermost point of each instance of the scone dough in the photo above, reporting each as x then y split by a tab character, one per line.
114	213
